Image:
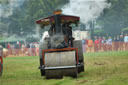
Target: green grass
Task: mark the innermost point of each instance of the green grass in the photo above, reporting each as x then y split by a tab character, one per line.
105	68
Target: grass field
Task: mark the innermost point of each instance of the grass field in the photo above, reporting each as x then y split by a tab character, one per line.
107	68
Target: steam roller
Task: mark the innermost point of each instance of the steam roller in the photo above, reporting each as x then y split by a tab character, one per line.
60	54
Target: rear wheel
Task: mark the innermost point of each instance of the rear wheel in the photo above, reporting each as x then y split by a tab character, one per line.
41	63
78	44
41	70
42	46
1	68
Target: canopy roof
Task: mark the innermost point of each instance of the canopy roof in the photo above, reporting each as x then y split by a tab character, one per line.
64	18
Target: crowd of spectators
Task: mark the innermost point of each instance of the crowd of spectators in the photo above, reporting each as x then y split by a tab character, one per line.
100	44
25	49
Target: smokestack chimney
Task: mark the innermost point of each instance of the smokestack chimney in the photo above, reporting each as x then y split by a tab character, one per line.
57	17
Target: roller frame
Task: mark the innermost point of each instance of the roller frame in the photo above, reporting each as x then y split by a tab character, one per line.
78	64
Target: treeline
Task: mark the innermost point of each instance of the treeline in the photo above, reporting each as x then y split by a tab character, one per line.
115	19
22	21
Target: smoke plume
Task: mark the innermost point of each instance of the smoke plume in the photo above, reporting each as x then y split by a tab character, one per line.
6	9
88	10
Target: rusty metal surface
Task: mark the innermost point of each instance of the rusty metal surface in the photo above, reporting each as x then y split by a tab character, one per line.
57	59
59	50
60	59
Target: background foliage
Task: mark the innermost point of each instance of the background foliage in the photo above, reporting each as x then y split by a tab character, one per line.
22	21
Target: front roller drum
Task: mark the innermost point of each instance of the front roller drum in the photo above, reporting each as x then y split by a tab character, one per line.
72	72
53	74
59	73
59	64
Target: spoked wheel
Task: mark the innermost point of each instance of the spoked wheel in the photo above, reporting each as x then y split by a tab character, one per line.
1	68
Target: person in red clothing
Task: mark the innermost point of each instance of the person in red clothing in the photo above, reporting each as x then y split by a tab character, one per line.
96	45
100	43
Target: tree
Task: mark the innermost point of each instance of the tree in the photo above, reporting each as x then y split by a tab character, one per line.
116	17
23	18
